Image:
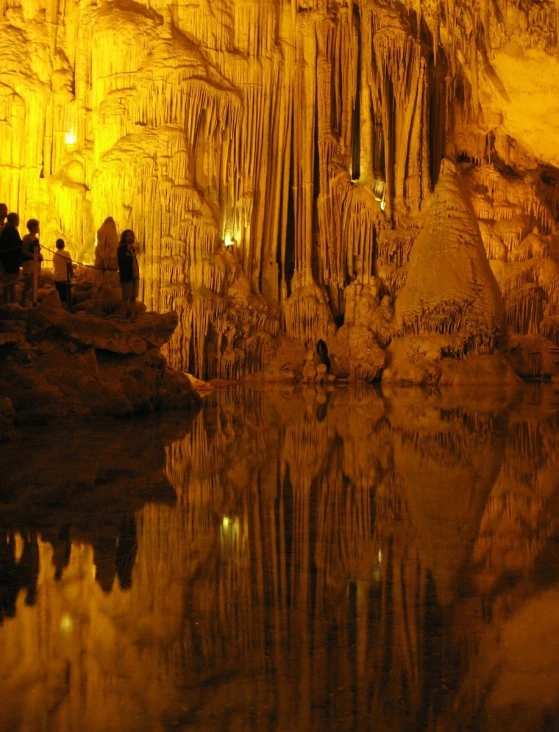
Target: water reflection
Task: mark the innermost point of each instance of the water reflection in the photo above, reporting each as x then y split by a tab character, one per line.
296	560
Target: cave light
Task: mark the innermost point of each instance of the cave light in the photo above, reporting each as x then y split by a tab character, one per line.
66	623
70	138
229	241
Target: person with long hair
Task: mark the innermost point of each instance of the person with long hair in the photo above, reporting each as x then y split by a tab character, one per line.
30	246
129	273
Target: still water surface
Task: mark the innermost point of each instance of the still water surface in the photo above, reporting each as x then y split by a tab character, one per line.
287	560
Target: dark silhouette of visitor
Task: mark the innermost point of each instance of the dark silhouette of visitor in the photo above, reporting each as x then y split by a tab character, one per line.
3	215
126	551
30	244
17	575
63	271
129	273
10	256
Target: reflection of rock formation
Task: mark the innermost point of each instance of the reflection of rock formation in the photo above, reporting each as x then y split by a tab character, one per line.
330	562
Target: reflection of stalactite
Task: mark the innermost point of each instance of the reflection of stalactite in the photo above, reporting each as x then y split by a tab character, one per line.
333	555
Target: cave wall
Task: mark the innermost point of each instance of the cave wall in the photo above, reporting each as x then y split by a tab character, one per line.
306	134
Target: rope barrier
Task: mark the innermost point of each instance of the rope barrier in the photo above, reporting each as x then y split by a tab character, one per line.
55	251
83	264
52	251
24	277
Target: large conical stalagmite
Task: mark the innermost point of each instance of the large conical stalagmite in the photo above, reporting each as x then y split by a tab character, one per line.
451	305
450	289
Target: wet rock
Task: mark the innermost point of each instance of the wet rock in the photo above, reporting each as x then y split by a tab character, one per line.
137	379
51	299
91	331
12	331
198	384
355	354
7	418
57	365
533	356
283	362
155	329
178	391
424	361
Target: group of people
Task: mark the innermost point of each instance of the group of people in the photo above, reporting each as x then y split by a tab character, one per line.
25	254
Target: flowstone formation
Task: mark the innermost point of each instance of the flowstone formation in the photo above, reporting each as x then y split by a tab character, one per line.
276	158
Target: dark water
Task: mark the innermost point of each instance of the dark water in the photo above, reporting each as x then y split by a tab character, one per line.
288	560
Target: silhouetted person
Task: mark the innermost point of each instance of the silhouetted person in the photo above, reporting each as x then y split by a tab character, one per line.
129	273
28	568
126	551
61	551
63	271
9	585
10	255
3	215
30	247
104	556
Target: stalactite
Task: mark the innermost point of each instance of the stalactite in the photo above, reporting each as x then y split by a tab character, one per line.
524	309
308	131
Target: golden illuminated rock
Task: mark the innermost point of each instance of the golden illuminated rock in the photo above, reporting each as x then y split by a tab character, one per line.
288	150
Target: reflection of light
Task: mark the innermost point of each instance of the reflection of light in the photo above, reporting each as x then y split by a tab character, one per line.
70	138
228	240
382	205
66	623
19	546
230	538
380	556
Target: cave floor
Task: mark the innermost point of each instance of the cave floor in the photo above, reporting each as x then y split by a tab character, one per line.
288	559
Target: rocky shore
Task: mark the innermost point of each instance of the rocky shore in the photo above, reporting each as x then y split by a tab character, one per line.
58	365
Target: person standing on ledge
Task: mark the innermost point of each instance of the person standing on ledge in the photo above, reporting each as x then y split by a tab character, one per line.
3	215
30	243
63	271
129	273
10	254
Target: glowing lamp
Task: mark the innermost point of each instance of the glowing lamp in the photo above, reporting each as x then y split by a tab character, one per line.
70	138
225	522
382	205
66	623
228	240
